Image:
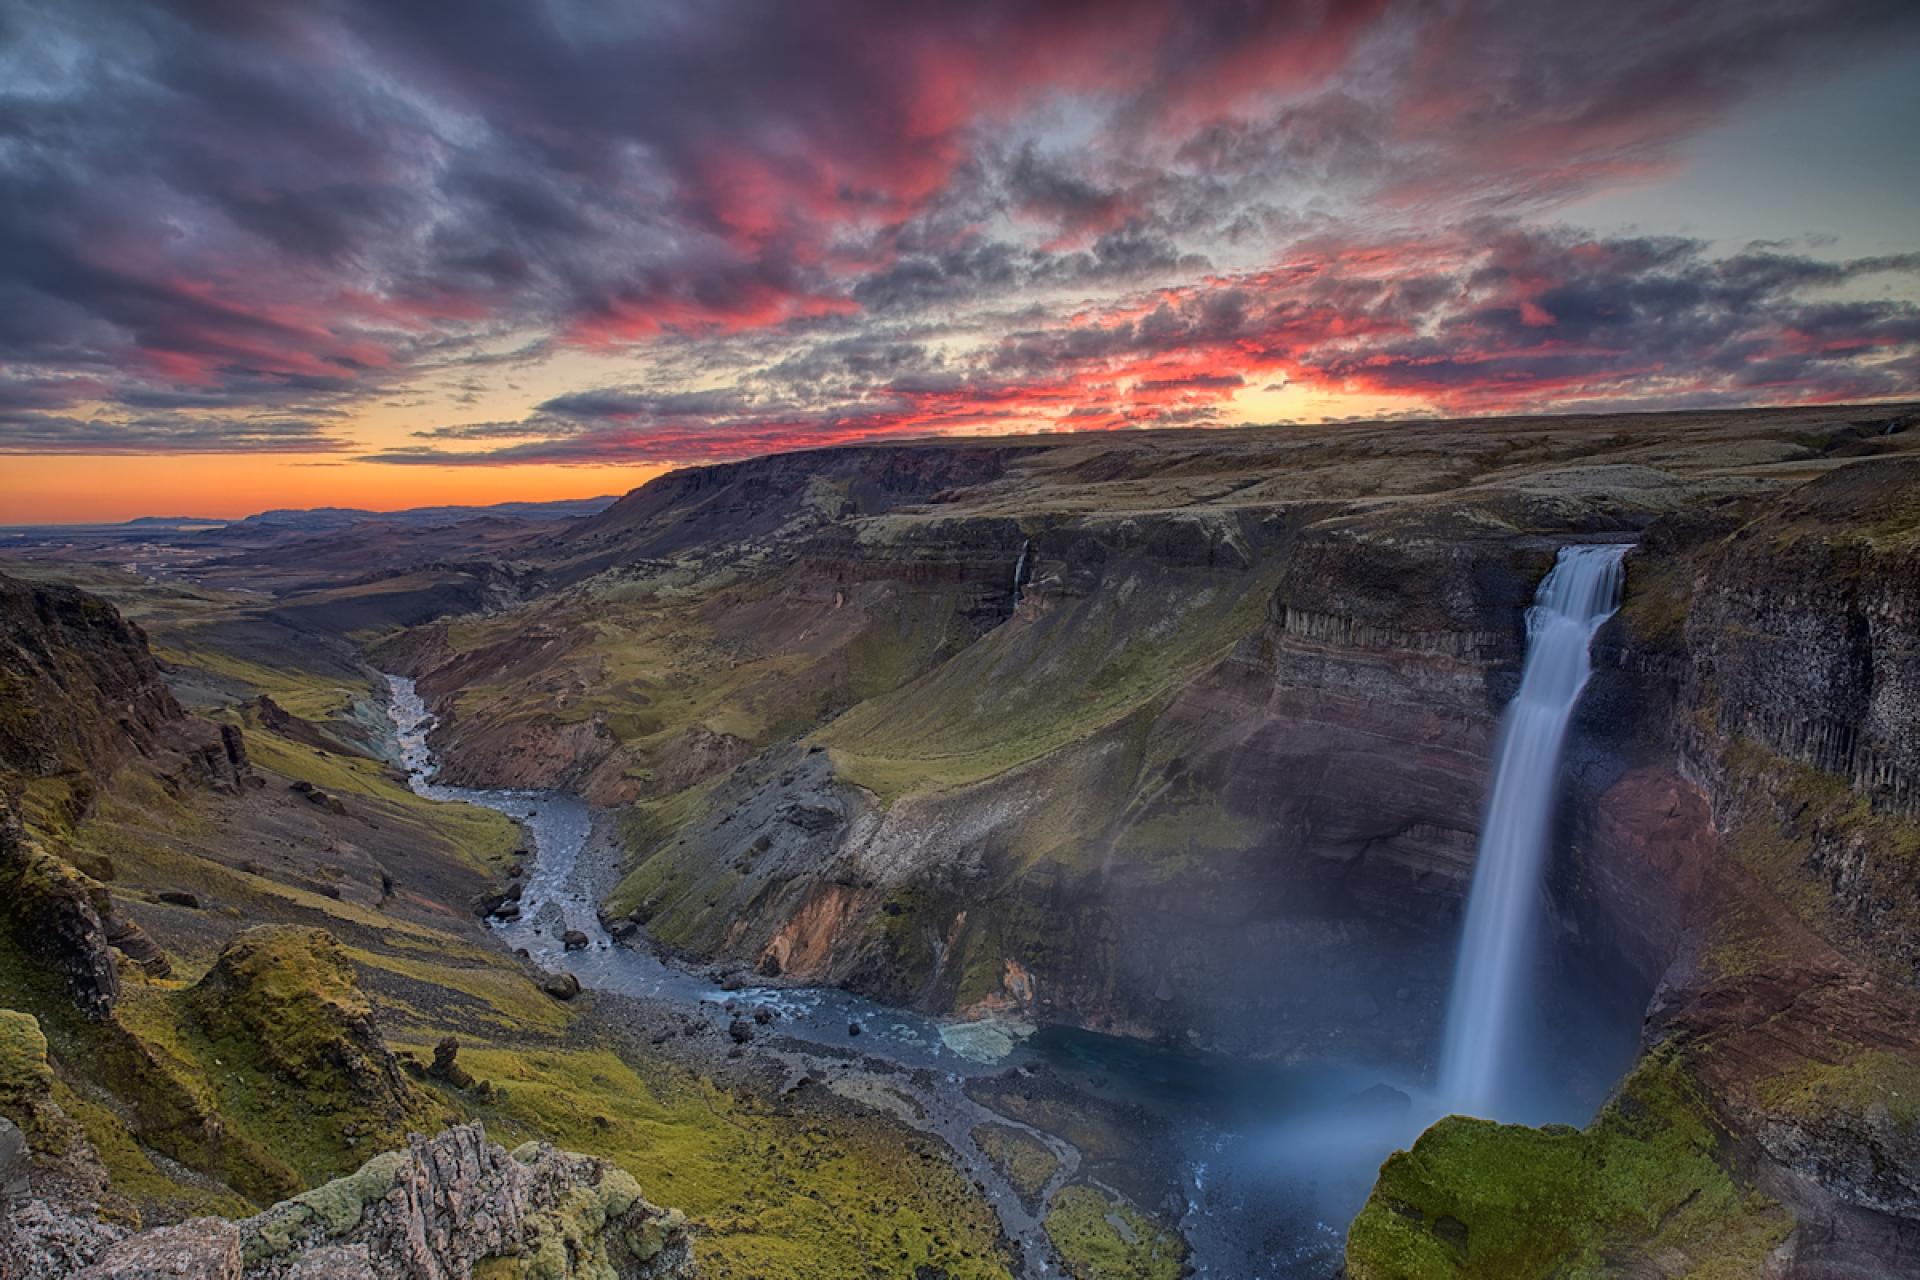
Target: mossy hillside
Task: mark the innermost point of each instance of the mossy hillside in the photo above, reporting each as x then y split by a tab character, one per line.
658	874
743	657
323	697
481	837
785	1189
65	1129
291	1044
1030	687
153	1185
1100	1238
1474	1198
269	855
134	1093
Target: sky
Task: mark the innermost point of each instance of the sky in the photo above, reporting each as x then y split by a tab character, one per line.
396	252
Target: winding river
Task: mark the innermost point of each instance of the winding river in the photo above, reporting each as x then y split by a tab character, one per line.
1265	1163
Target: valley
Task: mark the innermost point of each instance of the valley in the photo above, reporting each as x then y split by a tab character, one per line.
1004	857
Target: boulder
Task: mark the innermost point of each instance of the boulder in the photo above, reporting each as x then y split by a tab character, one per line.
574	940
561	986
203	1249
133	942
446	1067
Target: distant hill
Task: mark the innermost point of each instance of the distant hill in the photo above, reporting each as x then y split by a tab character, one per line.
315	519
324	519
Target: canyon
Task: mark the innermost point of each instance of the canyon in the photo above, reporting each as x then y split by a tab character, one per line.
1175	739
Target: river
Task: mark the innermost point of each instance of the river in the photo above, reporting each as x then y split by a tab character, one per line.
1259	1165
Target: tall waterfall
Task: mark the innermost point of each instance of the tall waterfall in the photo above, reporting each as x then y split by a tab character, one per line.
1579	594
1020	569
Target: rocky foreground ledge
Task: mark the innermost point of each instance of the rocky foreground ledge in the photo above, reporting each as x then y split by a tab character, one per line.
447	1208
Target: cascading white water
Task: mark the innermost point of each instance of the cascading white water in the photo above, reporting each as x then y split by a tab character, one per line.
1478	1057
1020	569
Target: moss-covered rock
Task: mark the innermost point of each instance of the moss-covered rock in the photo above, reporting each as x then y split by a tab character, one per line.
24	1073
297	1052
1479	1199
457	1202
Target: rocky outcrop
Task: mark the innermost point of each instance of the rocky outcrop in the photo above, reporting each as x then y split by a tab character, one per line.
79	691
446	1204
285	1002
54	913
54	1194
437	1210
80	695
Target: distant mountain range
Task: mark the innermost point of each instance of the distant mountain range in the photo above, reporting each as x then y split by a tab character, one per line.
322	519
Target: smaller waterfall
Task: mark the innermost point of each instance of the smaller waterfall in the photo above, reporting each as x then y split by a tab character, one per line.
1020	569
1478	1058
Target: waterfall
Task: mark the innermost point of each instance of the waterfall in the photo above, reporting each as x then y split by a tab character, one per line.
1478	1059
1020	569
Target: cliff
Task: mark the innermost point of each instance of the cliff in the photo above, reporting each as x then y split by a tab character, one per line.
1742	837
1225	735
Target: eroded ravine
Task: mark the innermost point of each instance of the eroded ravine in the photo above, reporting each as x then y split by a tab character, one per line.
898	1062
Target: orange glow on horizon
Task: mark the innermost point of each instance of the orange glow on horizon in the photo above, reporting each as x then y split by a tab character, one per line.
38	489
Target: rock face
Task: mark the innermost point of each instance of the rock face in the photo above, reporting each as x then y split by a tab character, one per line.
1741	836
435	1211
1274	789
78	689
54	913
448	1203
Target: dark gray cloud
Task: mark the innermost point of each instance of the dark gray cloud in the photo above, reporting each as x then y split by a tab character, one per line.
242	210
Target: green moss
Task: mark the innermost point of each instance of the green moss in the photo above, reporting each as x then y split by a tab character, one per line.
133	1171
1027	1162
1863	1080
328	1210
1474	1198
287	1037
775	1190
25	1075
1103	1239
1176	843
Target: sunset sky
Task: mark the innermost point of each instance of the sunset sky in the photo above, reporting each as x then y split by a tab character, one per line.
388	253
